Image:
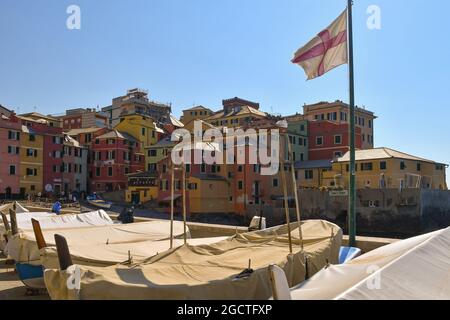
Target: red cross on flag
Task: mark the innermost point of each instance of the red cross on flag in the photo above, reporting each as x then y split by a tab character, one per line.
326	51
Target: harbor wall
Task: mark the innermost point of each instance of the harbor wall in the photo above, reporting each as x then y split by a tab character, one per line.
380	212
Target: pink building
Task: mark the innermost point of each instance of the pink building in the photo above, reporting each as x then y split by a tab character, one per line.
10	129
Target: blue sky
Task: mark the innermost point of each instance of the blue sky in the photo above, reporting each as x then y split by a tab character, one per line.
201	51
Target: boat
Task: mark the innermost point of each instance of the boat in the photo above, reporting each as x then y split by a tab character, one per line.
411	269
98	202
234	268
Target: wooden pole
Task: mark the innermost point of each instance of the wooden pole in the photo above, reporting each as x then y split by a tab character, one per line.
14	226
184	203
40	240
172	188
6	222
286	201
294	187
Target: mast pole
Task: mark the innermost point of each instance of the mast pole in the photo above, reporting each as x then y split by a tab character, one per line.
352	169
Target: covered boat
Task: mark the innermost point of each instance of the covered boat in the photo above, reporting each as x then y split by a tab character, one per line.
207	272
88	239
96	201
412	269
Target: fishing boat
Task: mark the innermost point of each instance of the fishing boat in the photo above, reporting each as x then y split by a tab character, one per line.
411	269
234	268
99	203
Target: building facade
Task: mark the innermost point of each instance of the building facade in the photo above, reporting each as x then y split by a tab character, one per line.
31	162
329	140
84	118
113	157
136	101
338	112
10	135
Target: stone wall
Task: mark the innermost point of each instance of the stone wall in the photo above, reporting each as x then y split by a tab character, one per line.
381	213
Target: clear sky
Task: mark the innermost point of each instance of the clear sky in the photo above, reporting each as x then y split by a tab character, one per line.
202	51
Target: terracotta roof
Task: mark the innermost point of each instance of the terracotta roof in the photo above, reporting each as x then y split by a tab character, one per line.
75	132
381	153
117	134
243	111
197	108
176	122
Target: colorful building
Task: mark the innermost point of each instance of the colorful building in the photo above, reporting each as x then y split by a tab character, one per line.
338	112
391	169
10	135
143	128
136	101
329	140
114	155
31	161
83	118
142	187
195	113
157	152
75	169
236	112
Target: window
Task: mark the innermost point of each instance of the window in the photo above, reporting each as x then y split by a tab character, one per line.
419	167
240	168
13	135
337	154
383	165
370	124
177	185
275	183
13	150
12	170
368	166
110	141
153	134
402	165
110	171
240	185
319	141
32	137
203	168
188	167
97	141
338	139
143	131
97	172
31	153
152	153
256	168
309	174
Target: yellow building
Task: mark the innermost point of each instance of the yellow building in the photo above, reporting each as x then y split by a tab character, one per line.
142	188
314	173
207	194
157	152
236	113
195	113
31	162
141	127
387	168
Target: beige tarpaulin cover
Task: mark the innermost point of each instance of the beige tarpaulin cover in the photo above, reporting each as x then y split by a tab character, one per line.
417	268
104	255
23	217
87	242
208	271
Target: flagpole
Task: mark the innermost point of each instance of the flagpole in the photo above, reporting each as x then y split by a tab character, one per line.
352	169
